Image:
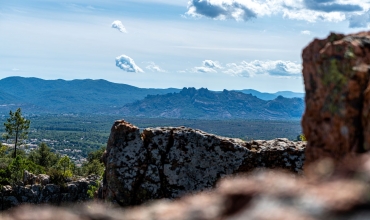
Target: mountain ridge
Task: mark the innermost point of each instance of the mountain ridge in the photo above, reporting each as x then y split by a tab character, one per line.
271	96
191	103
39	96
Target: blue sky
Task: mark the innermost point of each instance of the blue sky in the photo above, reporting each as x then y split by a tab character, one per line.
218	44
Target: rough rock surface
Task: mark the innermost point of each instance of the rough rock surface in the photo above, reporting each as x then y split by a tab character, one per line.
336	78
324	193
169	162
31	179
44	193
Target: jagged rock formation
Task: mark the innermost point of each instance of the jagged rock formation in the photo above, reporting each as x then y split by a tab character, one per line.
325	193
336	78
169	162
205	104
41	192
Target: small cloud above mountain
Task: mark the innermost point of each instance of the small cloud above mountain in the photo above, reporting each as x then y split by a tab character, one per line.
257	67
119	26
212	64
154	67
285	68
306	32
208	66
127	64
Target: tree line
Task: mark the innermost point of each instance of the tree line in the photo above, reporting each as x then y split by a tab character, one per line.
42	160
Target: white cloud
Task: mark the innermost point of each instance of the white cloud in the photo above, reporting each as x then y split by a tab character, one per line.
306	32
154	67
273	68
119	26
307	10
15	69
220	9
202	69
127	64
332	6
211	64
208	66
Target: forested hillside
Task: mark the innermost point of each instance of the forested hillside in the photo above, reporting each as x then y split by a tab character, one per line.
60	96
38	96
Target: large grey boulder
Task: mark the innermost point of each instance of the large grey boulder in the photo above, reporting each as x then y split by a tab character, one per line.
170	162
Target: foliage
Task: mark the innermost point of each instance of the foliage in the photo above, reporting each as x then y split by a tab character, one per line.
16	127
302	137
93	165
43	156
96	155
16	168
4	164
33	167
3	150
91	191
21	153
56	177
18	165
83	134
66	165
5	173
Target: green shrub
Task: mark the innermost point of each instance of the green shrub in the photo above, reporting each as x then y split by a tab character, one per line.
302	137
16	168
33	168
66	165
5	176
91	191
93	167
56	177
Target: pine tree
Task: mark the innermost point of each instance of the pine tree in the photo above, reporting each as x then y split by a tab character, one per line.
16	127
43	156
66	164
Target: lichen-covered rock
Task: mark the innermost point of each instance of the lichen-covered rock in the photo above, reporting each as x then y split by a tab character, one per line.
336	121
29	178
42	179
125	163
169	162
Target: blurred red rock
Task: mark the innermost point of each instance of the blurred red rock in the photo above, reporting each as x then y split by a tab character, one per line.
336	78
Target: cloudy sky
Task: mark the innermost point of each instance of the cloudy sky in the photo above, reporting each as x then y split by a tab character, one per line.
218	44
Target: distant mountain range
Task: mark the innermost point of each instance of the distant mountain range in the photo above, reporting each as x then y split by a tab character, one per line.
271	96
38	96
60	96
205	104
